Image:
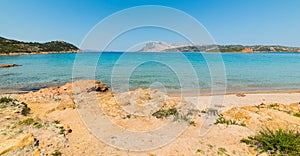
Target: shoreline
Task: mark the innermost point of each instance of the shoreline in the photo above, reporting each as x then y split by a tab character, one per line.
283	91
175	94
40	52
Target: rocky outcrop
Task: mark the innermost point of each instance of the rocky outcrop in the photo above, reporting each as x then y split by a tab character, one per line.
9	65
19	142
58	127
266	115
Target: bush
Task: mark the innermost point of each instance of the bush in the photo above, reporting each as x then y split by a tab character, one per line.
222	120
297	115
56	153
165	113
27	121
6	100
279	142
31	121
26	110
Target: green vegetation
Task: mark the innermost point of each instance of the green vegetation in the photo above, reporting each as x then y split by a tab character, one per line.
165	113
62	130
56	121
25	110
222	120
30	121
56	153
27	121
222	151
278	142
297	115
6	100
13	46
176	115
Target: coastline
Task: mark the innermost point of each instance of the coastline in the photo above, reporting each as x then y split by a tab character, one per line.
171	93
39	52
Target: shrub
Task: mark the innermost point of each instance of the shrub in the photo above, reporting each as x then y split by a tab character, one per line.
297	115
165	113
222	120
56	153
221	151
278	142
26	110
27	121
6	100
30	121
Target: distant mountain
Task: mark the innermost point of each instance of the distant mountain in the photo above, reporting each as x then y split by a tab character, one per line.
8	46
182	47
161	46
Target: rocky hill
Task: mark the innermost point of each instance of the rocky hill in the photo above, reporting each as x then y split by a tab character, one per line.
182	47
8	46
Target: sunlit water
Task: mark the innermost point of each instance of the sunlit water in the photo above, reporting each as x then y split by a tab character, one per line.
174	72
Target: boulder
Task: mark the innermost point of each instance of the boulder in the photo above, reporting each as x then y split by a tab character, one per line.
82	86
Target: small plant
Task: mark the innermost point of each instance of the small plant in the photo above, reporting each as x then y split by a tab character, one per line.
192	123
297	115
56	121
56	153
199	151
272	105
30	121
222	120
243	124
165	113
221	151
57	99
6	100
3	105
37	125
26	110
27	121
278	142
62	130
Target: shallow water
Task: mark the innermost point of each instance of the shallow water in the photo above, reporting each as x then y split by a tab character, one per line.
172	72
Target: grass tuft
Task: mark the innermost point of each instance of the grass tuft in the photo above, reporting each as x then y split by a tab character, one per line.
222	120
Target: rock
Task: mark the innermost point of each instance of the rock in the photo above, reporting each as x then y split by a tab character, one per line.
247	50
9	65
83	86
251	151
64	106
100	87
7	117
13	144
36	152
240	95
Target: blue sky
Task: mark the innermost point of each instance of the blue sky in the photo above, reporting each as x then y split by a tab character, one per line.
245	22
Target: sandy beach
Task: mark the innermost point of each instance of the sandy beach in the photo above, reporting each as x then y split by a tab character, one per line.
62	115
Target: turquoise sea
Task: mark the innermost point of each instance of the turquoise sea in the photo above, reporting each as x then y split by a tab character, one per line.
173	72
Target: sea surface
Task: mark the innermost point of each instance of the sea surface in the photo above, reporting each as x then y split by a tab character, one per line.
189	72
